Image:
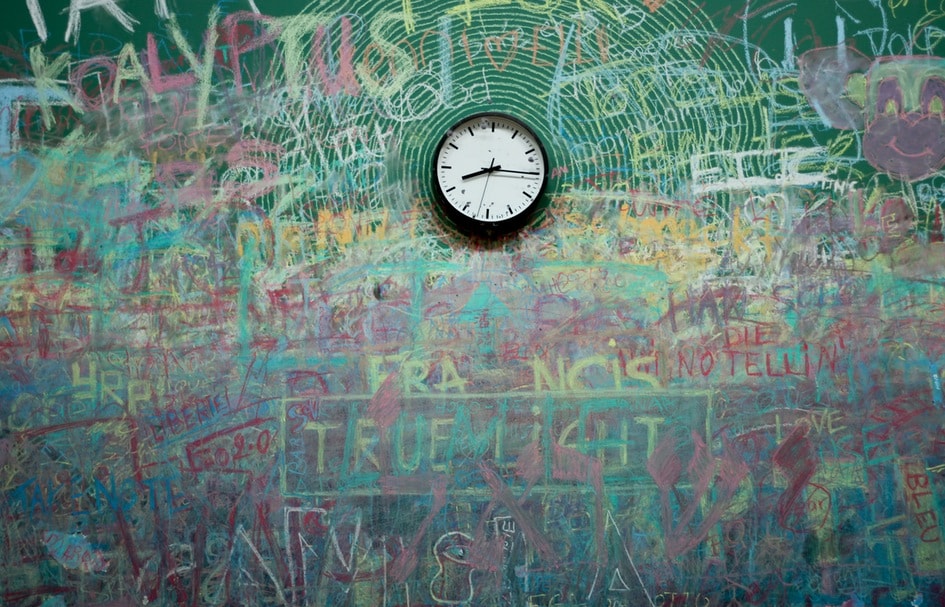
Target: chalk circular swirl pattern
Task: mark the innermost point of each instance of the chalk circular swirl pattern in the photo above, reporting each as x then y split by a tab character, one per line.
624	92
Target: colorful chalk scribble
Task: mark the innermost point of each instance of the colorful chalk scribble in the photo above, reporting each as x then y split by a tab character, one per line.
243	362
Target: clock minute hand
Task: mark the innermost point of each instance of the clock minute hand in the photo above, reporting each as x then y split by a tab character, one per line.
501	170
491	169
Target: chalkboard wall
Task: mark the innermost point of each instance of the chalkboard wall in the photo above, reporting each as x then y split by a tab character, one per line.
243	360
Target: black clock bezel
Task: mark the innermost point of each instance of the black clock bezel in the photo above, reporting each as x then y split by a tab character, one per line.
476	227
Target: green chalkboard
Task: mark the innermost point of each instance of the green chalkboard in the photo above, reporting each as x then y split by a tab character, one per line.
243	361
613	87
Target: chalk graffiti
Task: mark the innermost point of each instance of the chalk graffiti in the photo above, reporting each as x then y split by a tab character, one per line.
243	362
900	109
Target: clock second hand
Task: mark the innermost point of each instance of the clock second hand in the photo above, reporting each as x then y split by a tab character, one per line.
485	185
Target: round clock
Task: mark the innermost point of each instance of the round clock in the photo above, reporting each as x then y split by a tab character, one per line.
489	172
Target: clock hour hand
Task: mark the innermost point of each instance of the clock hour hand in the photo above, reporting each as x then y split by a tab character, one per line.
491	169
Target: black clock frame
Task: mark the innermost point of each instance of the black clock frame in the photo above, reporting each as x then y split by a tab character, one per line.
475	227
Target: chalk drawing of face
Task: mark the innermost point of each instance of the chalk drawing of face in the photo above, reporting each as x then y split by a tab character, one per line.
897	101
452	584
905	128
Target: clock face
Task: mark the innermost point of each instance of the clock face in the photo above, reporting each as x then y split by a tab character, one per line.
489	173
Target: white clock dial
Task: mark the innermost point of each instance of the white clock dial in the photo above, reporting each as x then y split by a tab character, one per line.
489	171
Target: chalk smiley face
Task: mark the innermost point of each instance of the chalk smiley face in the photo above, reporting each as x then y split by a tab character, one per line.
900	107
905	129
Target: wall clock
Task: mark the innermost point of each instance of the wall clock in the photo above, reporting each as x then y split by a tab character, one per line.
489	173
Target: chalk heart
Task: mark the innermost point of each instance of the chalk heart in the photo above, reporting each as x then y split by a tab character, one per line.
505	44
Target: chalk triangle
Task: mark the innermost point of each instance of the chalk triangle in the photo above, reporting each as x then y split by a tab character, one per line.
617	583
